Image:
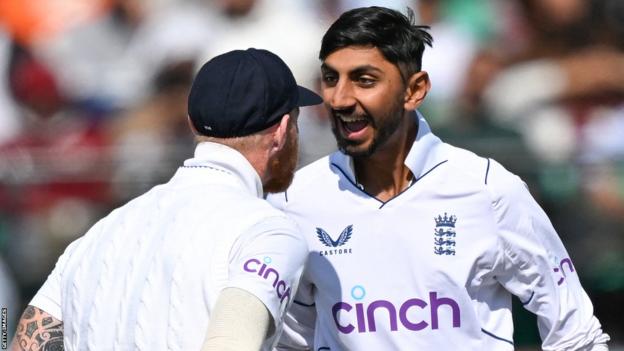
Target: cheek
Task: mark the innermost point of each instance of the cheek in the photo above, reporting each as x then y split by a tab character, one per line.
327	94
377	101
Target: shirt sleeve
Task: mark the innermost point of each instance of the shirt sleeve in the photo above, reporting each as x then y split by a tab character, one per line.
48	298
267	262
533	265
300	320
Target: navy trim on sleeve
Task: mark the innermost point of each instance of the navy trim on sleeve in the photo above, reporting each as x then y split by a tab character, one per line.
487	171
303	304
529	300
496	337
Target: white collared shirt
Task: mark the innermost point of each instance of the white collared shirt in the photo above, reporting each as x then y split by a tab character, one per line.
434	267
147	276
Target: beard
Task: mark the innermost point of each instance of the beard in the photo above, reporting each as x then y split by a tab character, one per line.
383	128
282	166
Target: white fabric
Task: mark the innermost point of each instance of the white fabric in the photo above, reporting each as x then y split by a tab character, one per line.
147	276
398	276
239	322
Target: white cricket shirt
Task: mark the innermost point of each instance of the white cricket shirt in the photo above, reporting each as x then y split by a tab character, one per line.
434	267
147	276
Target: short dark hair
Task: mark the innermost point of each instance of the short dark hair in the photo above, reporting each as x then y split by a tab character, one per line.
396	35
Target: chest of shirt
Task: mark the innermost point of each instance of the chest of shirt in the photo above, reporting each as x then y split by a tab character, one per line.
412	245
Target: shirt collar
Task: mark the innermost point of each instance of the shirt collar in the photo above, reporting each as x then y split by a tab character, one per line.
229	160
423	156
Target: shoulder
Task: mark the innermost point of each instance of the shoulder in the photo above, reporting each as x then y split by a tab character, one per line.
259	215
269	227
489	175
466	167
505	190
503	185
484	169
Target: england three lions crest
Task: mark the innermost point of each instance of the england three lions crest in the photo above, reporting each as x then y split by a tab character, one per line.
444	235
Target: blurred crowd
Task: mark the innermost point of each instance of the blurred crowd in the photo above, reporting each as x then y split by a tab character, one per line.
93	111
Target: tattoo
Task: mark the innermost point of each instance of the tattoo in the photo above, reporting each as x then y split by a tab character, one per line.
38	330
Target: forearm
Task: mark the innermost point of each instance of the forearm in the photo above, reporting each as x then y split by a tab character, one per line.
38	330
240	321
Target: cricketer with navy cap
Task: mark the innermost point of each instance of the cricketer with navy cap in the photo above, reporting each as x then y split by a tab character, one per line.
202	259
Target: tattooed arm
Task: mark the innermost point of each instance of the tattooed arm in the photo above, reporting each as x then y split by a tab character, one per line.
38	330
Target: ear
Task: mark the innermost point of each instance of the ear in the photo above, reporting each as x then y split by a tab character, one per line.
418	86
191	126
280	134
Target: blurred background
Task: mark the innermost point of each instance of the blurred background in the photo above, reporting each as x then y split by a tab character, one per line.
93	112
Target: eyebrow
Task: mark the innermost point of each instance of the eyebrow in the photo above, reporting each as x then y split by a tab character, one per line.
357	70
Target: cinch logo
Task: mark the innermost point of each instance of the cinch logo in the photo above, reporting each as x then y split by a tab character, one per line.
365	316
324	237
263	270
568	262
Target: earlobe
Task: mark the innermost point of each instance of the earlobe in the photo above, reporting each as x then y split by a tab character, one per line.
417	88
191	126
280	134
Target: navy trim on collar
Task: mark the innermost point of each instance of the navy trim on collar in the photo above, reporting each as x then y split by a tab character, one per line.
425	155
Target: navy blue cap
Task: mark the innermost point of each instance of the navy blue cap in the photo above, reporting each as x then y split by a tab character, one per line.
243	92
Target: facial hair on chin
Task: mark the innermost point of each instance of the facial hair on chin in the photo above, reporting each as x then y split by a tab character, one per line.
282	167
383	129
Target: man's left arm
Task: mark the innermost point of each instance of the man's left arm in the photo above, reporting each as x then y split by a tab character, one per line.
38	330
41	324
535	266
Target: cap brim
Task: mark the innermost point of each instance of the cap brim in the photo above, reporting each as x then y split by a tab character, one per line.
307	97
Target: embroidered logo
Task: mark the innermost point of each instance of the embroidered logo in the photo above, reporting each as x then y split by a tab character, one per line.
264	270
327	240
562	272
444	235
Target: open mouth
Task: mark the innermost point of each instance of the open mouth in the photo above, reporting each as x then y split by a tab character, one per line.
353	126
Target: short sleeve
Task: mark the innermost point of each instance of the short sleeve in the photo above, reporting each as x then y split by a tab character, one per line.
48	298
267	261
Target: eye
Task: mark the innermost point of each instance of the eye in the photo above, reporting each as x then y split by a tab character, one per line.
329	78
366	81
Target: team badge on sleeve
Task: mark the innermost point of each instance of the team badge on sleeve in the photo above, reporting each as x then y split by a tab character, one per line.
444	235
327	240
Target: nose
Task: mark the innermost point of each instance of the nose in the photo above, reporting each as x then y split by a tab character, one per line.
340	96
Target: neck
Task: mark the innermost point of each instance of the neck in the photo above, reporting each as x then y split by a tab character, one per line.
384	174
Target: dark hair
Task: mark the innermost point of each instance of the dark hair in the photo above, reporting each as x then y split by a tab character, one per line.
399	39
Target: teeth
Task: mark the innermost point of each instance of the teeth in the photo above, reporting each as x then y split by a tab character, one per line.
351	119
